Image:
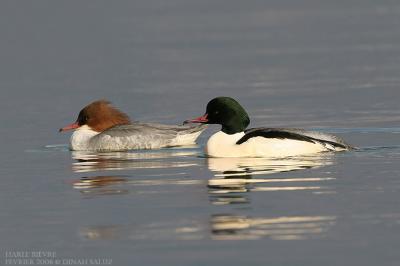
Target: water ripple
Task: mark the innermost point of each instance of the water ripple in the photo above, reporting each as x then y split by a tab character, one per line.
235	227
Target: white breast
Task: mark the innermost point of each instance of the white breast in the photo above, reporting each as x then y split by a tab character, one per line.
81	137
224	145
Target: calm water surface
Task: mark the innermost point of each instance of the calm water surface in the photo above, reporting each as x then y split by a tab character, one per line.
326	66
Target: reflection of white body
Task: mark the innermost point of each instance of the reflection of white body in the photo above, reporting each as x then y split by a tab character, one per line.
88	161
235	174
244	166
224	145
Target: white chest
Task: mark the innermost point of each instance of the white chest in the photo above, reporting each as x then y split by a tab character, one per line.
81	137
224	145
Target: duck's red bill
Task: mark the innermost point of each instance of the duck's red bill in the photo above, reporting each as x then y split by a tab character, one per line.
69	127
201	119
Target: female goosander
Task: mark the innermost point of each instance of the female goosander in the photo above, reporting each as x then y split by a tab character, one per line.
102	127
235	141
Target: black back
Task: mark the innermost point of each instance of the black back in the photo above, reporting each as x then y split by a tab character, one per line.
294	134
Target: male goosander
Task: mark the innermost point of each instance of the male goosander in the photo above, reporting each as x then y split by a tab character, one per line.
235	141
102	127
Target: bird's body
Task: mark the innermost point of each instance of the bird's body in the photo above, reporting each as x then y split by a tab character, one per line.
101	127
133	137
235	141
272	142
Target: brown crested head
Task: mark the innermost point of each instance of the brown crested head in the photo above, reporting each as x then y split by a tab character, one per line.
101	115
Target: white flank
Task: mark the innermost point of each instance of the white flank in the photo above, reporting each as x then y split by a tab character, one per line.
224	145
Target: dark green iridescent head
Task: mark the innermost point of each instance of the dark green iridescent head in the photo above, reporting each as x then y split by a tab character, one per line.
226	112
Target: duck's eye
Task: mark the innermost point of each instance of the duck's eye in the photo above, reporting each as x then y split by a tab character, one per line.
216	112
82	119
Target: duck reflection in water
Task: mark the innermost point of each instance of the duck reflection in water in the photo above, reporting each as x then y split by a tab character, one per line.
100	185
233	177
96	161
236	227
221	227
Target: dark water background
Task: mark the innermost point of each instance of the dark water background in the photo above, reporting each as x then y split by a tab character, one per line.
332	66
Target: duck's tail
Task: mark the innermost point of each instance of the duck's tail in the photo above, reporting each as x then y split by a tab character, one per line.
188	134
